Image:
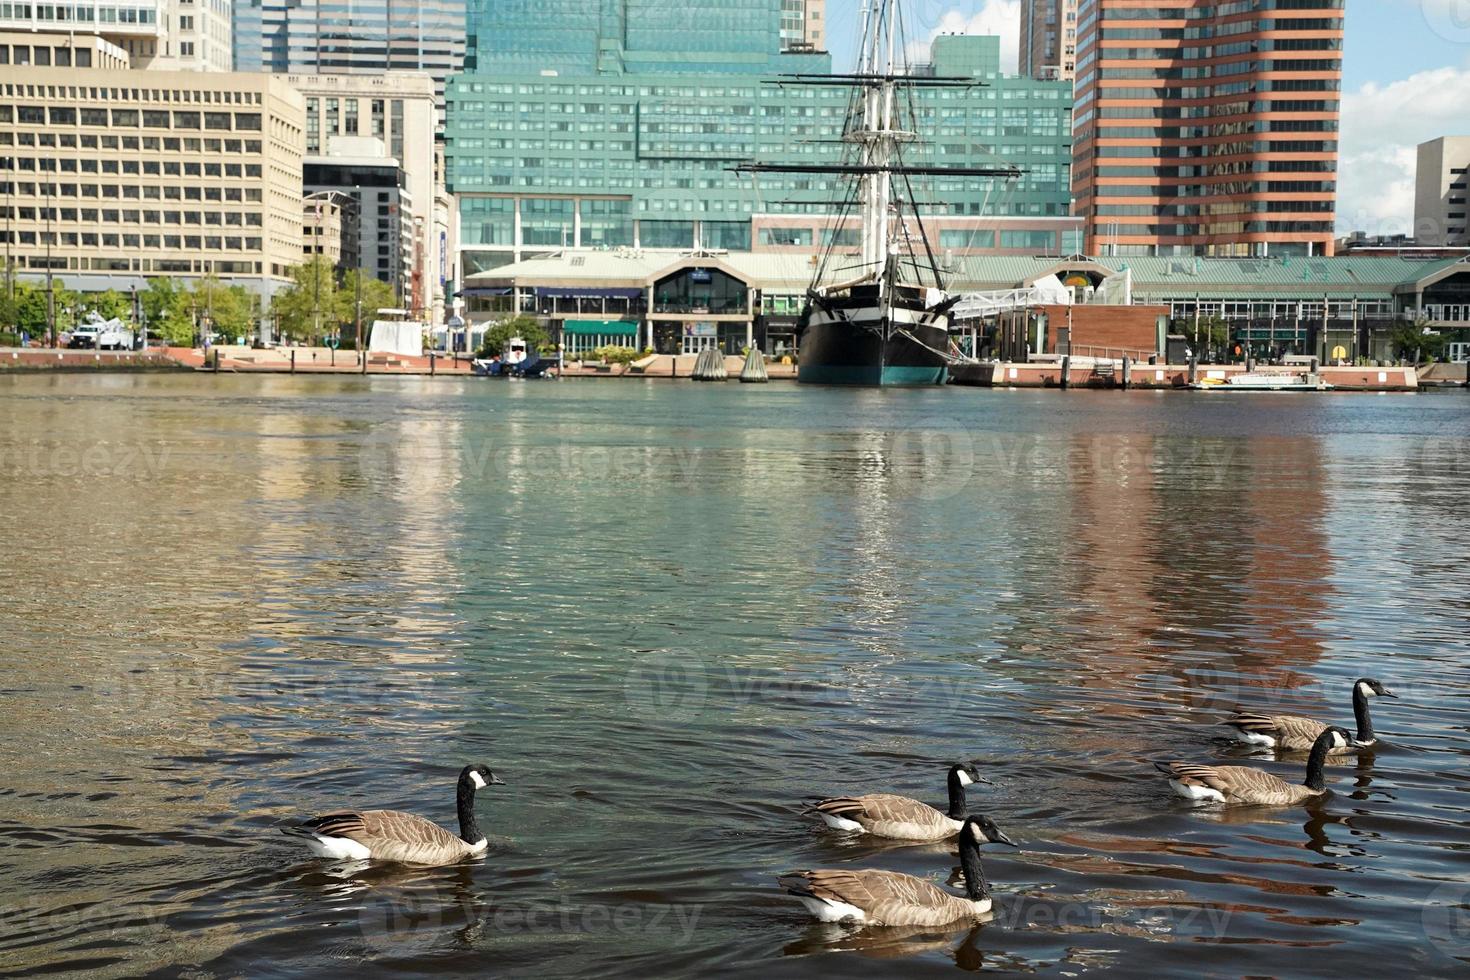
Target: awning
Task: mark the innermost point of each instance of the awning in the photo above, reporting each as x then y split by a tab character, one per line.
587	292
595	328
485	291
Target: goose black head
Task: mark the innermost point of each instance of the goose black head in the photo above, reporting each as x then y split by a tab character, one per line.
967	774
1341	738
479	776
1367	686
982	830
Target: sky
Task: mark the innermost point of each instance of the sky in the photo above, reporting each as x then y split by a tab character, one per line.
1406	79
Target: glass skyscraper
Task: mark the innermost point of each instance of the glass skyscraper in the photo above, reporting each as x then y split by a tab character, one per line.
615	122
350	37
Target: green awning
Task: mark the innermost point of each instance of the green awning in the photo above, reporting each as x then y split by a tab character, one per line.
594	328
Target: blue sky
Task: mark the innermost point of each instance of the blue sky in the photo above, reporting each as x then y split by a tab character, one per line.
1387	39
1406	80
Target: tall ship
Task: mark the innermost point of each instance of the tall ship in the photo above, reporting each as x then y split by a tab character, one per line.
880	317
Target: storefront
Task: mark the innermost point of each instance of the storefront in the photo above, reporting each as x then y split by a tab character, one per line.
580	337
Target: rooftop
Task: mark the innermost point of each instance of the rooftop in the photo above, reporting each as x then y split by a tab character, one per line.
1152	276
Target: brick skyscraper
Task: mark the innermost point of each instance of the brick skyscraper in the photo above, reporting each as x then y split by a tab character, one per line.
1207	128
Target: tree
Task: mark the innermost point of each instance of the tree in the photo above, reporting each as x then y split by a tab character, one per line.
228	308
308	307
376	295
109	305
166	310
1410	339
521	325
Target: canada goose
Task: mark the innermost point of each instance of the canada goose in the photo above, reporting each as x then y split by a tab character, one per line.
898	817
890	898
1296	733
393	835
1242	784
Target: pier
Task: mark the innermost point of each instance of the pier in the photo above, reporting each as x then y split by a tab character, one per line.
1081	373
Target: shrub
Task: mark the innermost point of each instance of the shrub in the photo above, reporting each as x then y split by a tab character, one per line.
616	355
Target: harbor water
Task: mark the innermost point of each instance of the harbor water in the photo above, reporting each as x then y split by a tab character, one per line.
666	614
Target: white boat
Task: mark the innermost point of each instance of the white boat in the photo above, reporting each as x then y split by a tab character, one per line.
1263	381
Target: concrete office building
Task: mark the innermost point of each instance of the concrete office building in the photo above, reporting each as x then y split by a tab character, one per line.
396	113
596	156
386	227
163	35
1048	48
1208	128
368	38
117	176
330	229
23	49
1440	192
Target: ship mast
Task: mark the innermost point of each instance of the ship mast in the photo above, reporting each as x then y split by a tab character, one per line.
874	130
877	135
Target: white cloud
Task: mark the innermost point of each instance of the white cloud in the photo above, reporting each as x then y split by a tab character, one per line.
1000	17
1382	125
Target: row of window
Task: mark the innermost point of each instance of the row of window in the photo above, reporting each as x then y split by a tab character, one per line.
111	216
104	93
133	192
127	167
93	239
93	141
65	115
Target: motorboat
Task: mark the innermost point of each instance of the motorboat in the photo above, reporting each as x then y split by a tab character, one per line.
1264	381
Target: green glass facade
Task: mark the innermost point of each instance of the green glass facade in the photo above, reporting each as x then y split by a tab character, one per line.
606	152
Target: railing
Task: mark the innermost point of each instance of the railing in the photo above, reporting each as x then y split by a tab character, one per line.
1441	313
1110	353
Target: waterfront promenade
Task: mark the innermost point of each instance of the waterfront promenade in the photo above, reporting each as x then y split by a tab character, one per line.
1037	374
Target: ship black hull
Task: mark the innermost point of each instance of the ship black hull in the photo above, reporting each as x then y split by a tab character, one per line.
837	352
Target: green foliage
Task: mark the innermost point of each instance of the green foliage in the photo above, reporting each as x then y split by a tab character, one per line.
228	310
316	305
307	309
613	354
522	325
109	305
1409	340
166	308
376	295
25	309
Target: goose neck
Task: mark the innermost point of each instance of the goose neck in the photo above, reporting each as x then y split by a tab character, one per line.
957	809
469	831
1360	714
1315	762
977	886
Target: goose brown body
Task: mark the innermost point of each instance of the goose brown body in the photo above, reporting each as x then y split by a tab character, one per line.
887	815
1290	732
1242	784
890	898
399	837
885	898
1295	733
900	817
395	836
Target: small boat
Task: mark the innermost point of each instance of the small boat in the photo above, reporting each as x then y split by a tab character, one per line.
1263	381
519	361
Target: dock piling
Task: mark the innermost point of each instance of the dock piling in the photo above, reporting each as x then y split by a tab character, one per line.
1127	372
293	360
1193	370
1066	371
754	371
